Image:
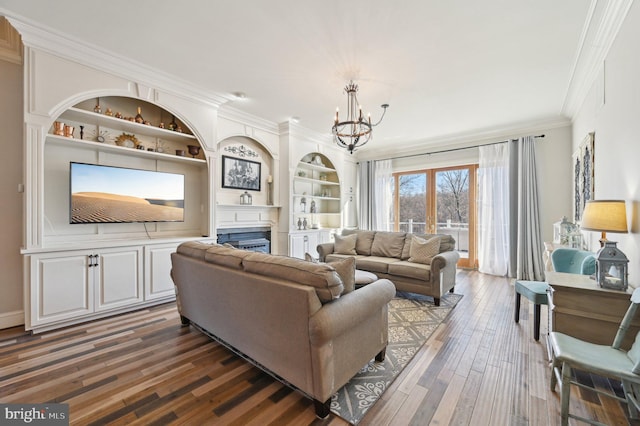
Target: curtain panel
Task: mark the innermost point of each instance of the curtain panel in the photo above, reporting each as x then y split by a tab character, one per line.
493	209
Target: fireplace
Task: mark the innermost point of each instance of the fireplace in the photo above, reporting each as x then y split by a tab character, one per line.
254	239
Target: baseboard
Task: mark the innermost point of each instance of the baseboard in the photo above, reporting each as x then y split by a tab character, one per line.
11	319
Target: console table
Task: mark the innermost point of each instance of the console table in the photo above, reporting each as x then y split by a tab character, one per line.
580	308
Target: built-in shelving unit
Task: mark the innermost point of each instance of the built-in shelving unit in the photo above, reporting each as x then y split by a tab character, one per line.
316	194
79	272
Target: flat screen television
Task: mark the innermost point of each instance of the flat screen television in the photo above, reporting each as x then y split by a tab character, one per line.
107	194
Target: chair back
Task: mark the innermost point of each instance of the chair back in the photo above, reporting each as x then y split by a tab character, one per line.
573	261
634	353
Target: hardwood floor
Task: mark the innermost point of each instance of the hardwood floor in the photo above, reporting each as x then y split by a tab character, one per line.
479	368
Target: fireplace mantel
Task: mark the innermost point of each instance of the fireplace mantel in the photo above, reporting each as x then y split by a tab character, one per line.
236	215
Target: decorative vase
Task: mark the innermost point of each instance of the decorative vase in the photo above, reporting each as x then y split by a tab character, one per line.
194	150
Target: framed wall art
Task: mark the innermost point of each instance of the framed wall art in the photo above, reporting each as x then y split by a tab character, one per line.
583	175
239	173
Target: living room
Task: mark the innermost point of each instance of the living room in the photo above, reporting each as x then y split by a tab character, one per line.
599	95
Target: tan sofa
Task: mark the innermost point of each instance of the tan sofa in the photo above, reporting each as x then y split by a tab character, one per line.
386	254
291	317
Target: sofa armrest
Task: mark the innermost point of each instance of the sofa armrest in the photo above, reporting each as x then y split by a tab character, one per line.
341	315
443	269
324	250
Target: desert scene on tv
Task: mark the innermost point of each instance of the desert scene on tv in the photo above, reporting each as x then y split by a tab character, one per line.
102	194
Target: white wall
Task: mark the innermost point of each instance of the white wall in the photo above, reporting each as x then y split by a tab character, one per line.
612	111
11	212
553	154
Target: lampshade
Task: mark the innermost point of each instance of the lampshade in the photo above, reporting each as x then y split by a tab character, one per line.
604	216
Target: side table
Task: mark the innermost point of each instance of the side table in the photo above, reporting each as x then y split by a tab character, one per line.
580	308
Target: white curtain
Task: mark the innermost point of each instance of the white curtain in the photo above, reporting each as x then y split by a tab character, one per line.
382	202
493	209
375	195
529	250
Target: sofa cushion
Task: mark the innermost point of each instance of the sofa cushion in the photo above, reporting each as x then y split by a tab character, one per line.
195	249
321	276
346	268
345	244
363	242
422	251
388	244
418	271
375	263
225	256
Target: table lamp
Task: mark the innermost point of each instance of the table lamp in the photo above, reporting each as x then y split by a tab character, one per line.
611	264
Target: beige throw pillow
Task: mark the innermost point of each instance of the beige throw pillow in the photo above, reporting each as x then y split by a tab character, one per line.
345	244
346	268
422	251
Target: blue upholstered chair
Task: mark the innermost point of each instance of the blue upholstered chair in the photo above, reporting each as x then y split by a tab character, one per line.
568	260
573	261
568	353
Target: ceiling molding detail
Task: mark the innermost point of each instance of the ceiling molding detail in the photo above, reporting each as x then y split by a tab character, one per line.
601	28
53	42
464	140
233	114
10	43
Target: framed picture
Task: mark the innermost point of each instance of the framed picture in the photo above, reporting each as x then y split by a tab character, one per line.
583	176
240	174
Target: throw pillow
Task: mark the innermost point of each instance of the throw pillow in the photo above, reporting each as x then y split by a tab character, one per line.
422	251
345	244
346	268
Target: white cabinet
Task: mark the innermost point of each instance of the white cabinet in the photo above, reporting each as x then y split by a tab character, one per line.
118	277
69	285
303	242
61	287
158	283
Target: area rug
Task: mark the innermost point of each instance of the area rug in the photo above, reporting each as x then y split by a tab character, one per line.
412	319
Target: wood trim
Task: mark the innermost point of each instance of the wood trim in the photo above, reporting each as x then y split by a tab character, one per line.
10	43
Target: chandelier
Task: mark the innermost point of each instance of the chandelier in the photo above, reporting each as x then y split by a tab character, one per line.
355	131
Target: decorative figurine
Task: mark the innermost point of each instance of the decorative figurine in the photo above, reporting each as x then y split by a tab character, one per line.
81	132
305	223
312	208
299	224
108	112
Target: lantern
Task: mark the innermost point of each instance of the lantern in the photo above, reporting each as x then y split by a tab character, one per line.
611	267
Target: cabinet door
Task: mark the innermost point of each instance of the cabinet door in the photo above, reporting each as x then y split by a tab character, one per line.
118	277
299	244
158	282
61	287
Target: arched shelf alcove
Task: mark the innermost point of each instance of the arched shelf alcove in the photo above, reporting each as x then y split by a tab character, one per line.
106	131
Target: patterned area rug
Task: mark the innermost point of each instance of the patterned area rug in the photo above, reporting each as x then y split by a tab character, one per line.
412	319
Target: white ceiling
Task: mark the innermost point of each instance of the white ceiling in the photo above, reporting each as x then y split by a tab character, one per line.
446	67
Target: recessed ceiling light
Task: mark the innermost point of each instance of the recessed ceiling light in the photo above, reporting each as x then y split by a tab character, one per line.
239	95
295	119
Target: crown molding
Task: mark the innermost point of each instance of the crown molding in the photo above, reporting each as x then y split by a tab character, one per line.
463	140
604	20
292	128
234	114
59	44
